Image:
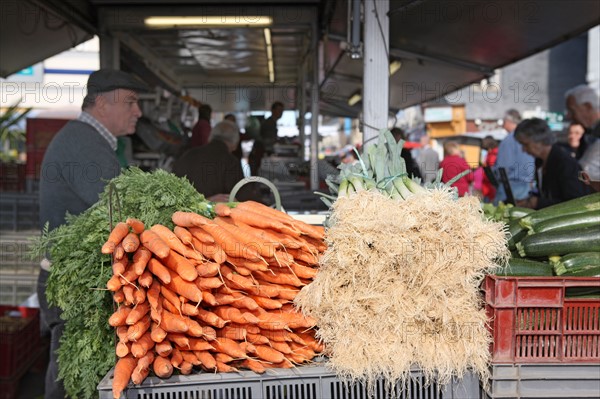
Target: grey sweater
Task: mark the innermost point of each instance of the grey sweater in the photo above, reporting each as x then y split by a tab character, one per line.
77	164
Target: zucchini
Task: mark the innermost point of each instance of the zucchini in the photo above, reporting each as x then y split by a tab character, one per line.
515	233
578	264
582	292
524	267
517	212
560	242
579	220
578	205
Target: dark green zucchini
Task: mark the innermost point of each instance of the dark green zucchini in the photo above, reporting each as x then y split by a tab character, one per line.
578	264
582	292
560	242
515	233
525	267
578	205
577	220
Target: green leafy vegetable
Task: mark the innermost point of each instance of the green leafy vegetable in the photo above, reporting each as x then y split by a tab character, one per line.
79	271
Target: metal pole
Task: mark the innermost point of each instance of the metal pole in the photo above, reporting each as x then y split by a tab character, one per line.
314	128
376	67
302	108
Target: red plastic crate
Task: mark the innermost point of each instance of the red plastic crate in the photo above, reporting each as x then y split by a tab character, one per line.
18	348
532	321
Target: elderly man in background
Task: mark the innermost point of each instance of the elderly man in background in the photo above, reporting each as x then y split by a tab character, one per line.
519	166
212	169
77	164
583	107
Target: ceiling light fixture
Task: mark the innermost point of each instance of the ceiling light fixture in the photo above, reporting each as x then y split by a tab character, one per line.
355	98
223	21
269	46
395	67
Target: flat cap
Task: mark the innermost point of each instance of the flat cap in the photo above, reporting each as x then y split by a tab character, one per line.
104	80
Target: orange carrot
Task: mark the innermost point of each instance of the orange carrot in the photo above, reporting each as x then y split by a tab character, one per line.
171	297
131	242
145	361
159	270
277	335
183	234
184	288
206	359
263	221
269	354
176	358
200	344
188	309
114	284
136	331
121	332
156	313
248	241
189	219
266	290
229	347
128	292
247	347
235	333
157	333
167	236
279	278
271	321
190	357
119	252
285	364
309	340
119	316
210	251
265	303
181	266
201	235
223	358
163	348
304	256
222	209
119	296
257	339
303	271
224	299
254	365
181	340
209	298
123	370
207	283
122	349
153	293
137	226
281	347
225	368
162	367
155	244
139	375
145	279
139	296
211	318
186	368
240	281
207	269
114	238
173	323
194	329
248	264
233	314
209	333
120	265
230	243
137	313
140	260
142	345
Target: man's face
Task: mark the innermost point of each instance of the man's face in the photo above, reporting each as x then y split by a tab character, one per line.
574	135
120	111
531	147
277	112
579	113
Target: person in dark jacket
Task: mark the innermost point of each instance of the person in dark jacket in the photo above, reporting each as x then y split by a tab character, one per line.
79	161
557	174
212	169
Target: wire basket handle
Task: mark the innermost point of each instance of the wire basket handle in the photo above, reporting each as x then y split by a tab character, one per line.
256	179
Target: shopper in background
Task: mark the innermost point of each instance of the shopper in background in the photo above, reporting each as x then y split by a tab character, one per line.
519	165
558	173
428	160
77	164
264	144
212	169
583	106
574	134
202	128
454	164
412	169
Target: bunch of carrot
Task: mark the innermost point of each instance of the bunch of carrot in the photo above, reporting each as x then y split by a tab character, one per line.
214	293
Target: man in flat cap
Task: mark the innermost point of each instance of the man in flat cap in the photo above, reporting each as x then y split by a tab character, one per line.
77	164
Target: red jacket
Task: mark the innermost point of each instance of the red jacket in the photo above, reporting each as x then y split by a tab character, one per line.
454	165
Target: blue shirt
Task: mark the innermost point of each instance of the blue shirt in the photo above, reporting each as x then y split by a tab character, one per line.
520	168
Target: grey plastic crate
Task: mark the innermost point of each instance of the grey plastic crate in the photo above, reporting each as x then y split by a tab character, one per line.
522	381
307	382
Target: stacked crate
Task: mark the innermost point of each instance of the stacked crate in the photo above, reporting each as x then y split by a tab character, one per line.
546	344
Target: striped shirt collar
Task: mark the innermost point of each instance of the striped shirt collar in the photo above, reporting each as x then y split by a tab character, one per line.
104	132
